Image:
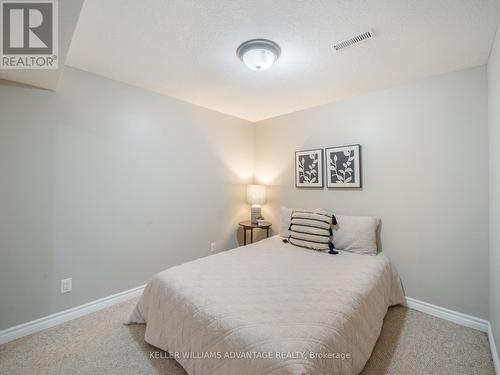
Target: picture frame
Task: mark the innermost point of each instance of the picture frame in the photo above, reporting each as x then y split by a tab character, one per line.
343	166
309	168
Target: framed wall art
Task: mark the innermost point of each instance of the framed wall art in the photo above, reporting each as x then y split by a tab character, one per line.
343	166
309	168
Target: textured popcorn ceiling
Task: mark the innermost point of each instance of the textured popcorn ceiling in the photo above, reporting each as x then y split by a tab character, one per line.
186	48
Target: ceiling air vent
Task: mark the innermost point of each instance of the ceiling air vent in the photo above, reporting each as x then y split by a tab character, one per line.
356	39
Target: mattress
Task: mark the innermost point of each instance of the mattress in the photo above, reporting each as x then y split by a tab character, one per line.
270	308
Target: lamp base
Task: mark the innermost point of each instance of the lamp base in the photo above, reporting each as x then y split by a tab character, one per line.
256	212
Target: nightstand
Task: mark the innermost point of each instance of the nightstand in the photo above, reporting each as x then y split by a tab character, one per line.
248	225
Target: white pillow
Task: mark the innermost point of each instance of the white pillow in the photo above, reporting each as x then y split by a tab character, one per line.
285	221
357	234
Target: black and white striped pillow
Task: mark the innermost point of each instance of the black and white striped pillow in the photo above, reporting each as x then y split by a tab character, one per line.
312	229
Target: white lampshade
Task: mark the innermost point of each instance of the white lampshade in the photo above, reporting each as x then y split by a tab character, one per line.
256	194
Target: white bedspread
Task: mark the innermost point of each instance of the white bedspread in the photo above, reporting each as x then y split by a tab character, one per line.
285	309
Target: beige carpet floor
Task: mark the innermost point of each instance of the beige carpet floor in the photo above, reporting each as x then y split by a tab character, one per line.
410	343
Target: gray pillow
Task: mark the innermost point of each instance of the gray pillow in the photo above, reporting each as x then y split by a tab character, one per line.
285	221
357	234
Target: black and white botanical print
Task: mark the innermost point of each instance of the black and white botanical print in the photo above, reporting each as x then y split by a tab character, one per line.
343	166
309	168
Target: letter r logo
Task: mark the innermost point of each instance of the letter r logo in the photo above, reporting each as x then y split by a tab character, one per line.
27	28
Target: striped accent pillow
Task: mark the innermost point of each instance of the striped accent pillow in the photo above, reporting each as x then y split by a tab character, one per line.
312	229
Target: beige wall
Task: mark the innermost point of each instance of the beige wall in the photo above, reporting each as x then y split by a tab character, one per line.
494	140
109	184
425	173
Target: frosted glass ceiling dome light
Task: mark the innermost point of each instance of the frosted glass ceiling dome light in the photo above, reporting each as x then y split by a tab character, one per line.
258	54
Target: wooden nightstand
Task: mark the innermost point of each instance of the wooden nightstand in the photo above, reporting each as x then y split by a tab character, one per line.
248	225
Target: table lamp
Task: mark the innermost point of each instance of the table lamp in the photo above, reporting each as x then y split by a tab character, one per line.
256	196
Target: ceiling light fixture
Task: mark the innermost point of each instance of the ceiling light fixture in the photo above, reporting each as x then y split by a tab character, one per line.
258	54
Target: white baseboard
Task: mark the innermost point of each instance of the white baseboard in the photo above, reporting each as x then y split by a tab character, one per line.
493	347
37	325
450	315
459	318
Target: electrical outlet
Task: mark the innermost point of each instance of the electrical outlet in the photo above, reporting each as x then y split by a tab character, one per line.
213	247
66	285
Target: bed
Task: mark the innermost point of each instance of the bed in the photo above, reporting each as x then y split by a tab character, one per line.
270	308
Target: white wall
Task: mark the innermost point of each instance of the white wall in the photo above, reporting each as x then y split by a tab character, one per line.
109	184
425	173
494	141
